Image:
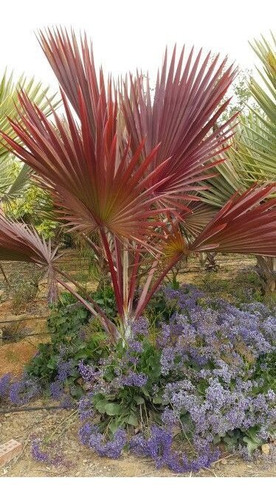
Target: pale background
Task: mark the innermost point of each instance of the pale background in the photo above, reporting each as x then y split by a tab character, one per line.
127	34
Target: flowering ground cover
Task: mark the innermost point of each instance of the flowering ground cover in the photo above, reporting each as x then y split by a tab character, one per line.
194	386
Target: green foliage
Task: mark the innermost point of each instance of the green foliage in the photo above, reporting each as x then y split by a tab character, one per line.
241	95
245	287
75	336
22	290
159	309
46	365
35	207
14	179
66	318
130	405
72	339
105	298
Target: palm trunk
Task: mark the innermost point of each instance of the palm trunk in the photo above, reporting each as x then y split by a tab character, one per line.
208	261
266	268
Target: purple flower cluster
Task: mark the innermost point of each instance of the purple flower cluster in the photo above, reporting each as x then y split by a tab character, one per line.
91	436
215	335
5	382
140	328
200	378
88	373
64	369
207	354
220	409
85	407
186	298
134	379
23	390
58	393
159	446
40	454
112	448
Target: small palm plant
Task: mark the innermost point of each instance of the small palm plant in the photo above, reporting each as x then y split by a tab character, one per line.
252	157
125	168
258	144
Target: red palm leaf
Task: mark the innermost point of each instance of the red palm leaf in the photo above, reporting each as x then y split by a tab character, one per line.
185	108
94	186
75	69
20	243
246	224
181	116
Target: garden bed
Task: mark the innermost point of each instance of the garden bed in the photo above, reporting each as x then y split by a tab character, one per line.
77	460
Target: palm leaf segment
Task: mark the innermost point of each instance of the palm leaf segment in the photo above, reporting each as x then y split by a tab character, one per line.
9	103
180	116
246	224
20	243
252	155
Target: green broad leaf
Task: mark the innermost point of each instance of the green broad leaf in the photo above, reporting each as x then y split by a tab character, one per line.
52	364
157	400
146	392
114	425
139	400
252	443
131	420
76	391
100	404
112	409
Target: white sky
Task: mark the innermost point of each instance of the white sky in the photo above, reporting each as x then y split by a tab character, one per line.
127	34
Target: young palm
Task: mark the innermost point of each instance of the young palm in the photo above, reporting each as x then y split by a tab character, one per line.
127	166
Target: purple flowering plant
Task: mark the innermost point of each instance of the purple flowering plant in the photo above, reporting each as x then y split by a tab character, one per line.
205	378
122	387
198	380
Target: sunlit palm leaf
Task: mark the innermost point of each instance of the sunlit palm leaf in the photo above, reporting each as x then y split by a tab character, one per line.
12	186
6	165
266	95
254	151
256	146
224	184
